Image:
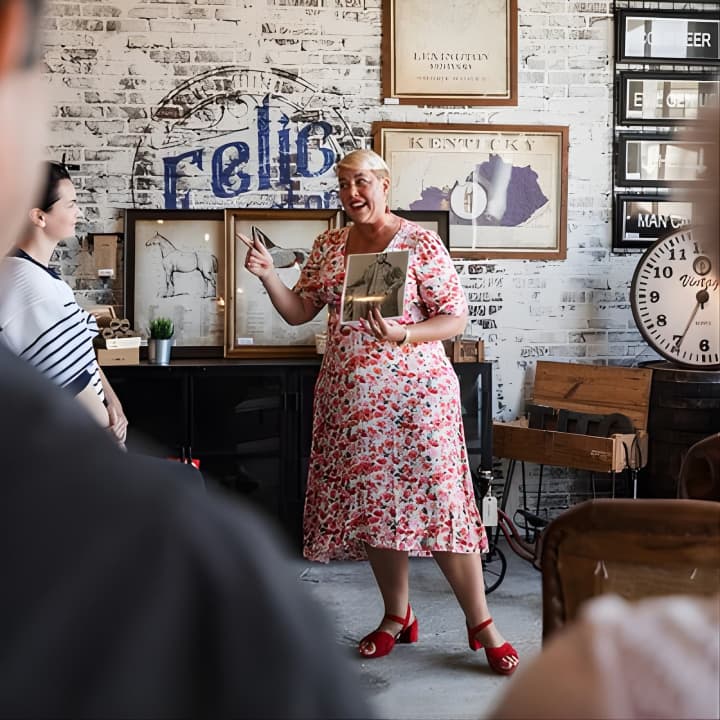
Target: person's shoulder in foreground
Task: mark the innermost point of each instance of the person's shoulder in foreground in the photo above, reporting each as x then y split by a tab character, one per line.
130	591
655	658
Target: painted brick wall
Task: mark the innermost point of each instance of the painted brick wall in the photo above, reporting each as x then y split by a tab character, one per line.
112	68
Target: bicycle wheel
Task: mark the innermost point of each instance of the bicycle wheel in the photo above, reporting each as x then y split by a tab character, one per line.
494	566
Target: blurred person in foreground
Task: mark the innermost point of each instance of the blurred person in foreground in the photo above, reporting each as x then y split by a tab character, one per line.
655	658
126	591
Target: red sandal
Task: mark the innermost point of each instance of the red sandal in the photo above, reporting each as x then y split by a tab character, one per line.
503	659
384	642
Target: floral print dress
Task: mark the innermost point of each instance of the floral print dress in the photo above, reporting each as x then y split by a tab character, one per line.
388	465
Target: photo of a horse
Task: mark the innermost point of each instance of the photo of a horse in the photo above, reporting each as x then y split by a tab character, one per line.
175	268
175	260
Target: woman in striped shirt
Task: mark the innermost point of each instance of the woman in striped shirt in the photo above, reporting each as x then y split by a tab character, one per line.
39	318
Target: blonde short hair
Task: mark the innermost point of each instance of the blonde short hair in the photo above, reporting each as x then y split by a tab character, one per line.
364	160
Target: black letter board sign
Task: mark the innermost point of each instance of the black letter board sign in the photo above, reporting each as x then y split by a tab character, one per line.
641	219
665	98
654	36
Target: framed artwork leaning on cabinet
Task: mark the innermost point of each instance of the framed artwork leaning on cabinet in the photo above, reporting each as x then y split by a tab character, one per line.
175	268
437	221
253	328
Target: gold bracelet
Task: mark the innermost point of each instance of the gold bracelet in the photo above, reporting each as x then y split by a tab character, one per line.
406	339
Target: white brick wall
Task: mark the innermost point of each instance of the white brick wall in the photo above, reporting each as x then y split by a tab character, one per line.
110	63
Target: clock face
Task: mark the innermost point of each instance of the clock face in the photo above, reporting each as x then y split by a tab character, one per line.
675	297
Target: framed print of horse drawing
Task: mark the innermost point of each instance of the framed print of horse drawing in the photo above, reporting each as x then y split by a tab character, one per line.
253	327
175	267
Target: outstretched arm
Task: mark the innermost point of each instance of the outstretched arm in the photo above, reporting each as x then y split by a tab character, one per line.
293	308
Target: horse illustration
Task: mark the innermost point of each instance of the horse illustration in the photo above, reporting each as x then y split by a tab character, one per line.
282	257
185	261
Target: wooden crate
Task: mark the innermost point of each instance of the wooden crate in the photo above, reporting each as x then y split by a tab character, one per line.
461	351
592	389
120	356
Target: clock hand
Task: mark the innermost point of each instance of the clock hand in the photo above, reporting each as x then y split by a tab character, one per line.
702	296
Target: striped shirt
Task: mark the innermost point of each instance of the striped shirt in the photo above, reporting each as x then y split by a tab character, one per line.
41	322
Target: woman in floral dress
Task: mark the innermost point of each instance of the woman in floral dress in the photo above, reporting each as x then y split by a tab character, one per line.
389	474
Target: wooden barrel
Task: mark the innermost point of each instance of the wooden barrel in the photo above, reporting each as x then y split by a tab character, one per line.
684	409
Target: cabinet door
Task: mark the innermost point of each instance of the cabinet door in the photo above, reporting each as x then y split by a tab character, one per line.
301	432
239	419
476	397
299	442
155	402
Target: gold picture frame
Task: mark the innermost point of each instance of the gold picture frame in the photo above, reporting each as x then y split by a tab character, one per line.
253	328
473	61
505	186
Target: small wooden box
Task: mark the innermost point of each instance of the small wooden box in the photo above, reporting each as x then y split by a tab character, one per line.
460	351
120	356
592	389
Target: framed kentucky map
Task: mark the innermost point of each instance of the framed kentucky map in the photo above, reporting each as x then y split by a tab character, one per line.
174	267
253	327
472	61
505	186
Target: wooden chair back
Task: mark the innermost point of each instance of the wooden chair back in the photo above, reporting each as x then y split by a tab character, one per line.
700	470
634	548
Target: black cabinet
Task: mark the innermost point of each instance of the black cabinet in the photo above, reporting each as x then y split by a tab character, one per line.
250	423
156	401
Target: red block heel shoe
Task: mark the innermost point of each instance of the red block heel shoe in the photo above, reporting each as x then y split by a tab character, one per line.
384	641
503	660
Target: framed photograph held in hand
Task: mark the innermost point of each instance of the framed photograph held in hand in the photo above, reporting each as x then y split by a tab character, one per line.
374	280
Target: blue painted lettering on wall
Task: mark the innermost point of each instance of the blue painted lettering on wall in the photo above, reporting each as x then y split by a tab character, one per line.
234	170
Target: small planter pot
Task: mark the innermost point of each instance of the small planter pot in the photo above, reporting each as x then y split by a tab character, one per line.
159	351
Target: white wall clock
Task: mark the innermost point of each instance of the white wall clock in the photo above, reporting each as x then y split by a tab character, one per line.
675	297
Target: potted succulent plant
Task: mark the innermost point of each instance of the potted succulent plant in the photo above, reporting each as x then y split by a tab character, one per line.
160	340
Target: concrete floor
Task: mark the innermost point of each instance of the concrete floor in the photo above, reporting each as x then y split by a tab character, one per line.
439	677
